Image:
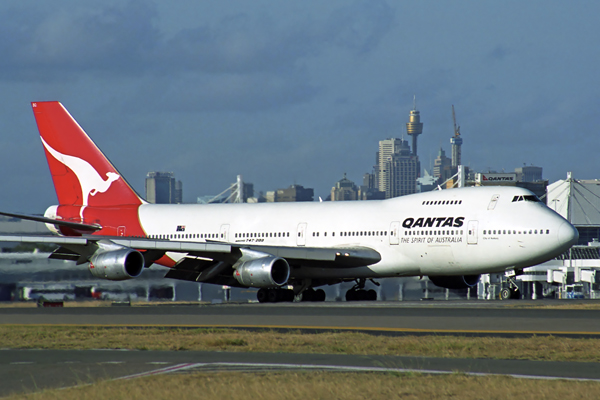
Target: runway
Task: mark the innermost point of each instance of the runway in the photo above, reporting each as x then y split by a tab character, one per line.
28	370
471	318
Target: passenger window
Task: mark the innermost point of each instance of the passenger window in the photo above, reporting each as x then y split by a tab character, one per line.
547	231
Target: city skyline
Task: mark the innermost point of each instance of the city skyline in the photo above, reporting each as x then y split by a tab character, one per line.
297	92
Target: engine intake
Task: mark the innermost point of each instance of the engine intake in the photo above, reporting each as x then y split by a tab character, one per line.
117	265
263	272
455	282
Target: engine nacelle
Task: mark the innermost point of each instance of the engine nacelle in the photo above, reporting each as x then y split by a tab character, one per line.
51	213
264	272
455	282
117	265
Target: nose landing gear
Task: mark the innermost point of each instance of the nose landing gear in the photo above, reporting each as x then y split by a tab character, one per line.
358	292
512	291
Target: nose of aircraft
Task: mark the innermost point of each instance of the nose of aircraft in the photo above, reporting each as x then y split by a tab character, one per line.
567	235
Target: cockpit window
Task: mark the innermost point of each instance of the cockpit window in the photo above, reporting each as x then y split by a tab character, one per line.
531	198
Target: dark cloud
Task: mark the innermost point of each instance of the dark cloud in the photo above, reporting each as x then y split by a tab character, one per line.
360	26
126	39
68	43
239	62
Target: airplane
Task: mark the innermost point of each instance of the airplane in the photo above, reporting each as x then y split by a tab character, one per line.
451	236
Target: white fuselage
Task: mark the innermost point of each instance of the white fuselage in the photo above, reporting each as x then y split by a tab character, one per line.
464	231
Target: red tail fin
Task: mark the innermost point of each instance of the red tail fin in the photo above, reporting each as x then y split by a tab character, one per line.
82	175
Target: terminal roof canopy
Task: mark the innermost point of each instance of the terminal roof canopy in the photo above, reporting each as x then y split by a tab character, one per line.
576	200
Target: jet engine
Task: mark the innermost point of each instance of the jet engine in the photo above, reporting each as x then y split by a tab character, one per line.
455	282
261	270
117	265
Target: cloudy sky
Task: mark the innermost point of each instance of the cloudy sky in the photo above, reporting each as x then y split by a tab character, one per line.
297	92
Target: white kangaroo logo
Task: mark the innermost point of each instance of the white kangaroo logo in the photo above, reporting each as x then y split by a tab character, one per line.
90	181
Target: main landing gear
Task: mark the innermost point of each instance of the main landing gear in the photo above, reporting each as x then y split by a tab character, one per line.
311	294
358	292
274	295
512	291
277	295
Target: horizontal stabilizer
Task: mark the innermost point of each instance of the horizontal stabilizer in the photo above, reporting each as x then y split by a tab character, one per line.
78	226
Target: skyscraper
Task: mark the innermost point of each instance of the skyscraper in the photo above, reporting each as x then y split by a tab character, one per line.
163	188
442	167
344	189
398	169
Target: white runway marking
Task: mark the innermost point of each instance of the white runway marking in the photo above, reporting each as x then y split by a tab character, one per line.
208	367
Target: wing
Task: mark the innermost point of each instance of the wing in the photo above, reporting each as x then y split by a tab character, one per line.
210	262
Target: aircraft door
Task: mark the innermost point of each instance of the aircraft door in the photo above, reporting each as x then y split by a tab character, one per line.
472	232
301	234
395	232
493	202
224	236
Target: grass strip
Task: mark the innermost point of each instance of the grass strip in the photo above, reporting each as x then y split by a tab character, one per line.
323	385
548	348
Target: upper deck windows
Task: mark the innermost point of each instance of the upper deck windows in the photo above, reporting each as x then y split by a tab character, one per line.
441	202
532	198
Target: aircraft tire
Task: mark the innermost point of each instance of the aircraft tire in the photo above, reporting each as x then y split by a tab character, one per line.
372	295
505	294
515	294
320	295
351	295
262	295
309	295
273	295
356	295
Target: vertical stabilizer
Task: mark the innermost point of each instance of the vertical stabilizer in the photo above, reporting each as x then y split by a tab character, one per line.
83	176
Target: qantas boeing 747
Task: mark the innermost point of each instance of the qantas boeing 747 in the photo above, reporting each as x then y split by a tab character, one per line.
451	236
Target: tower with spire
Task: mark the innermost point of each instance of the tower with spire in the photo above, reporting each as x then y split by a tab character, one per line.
414	126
